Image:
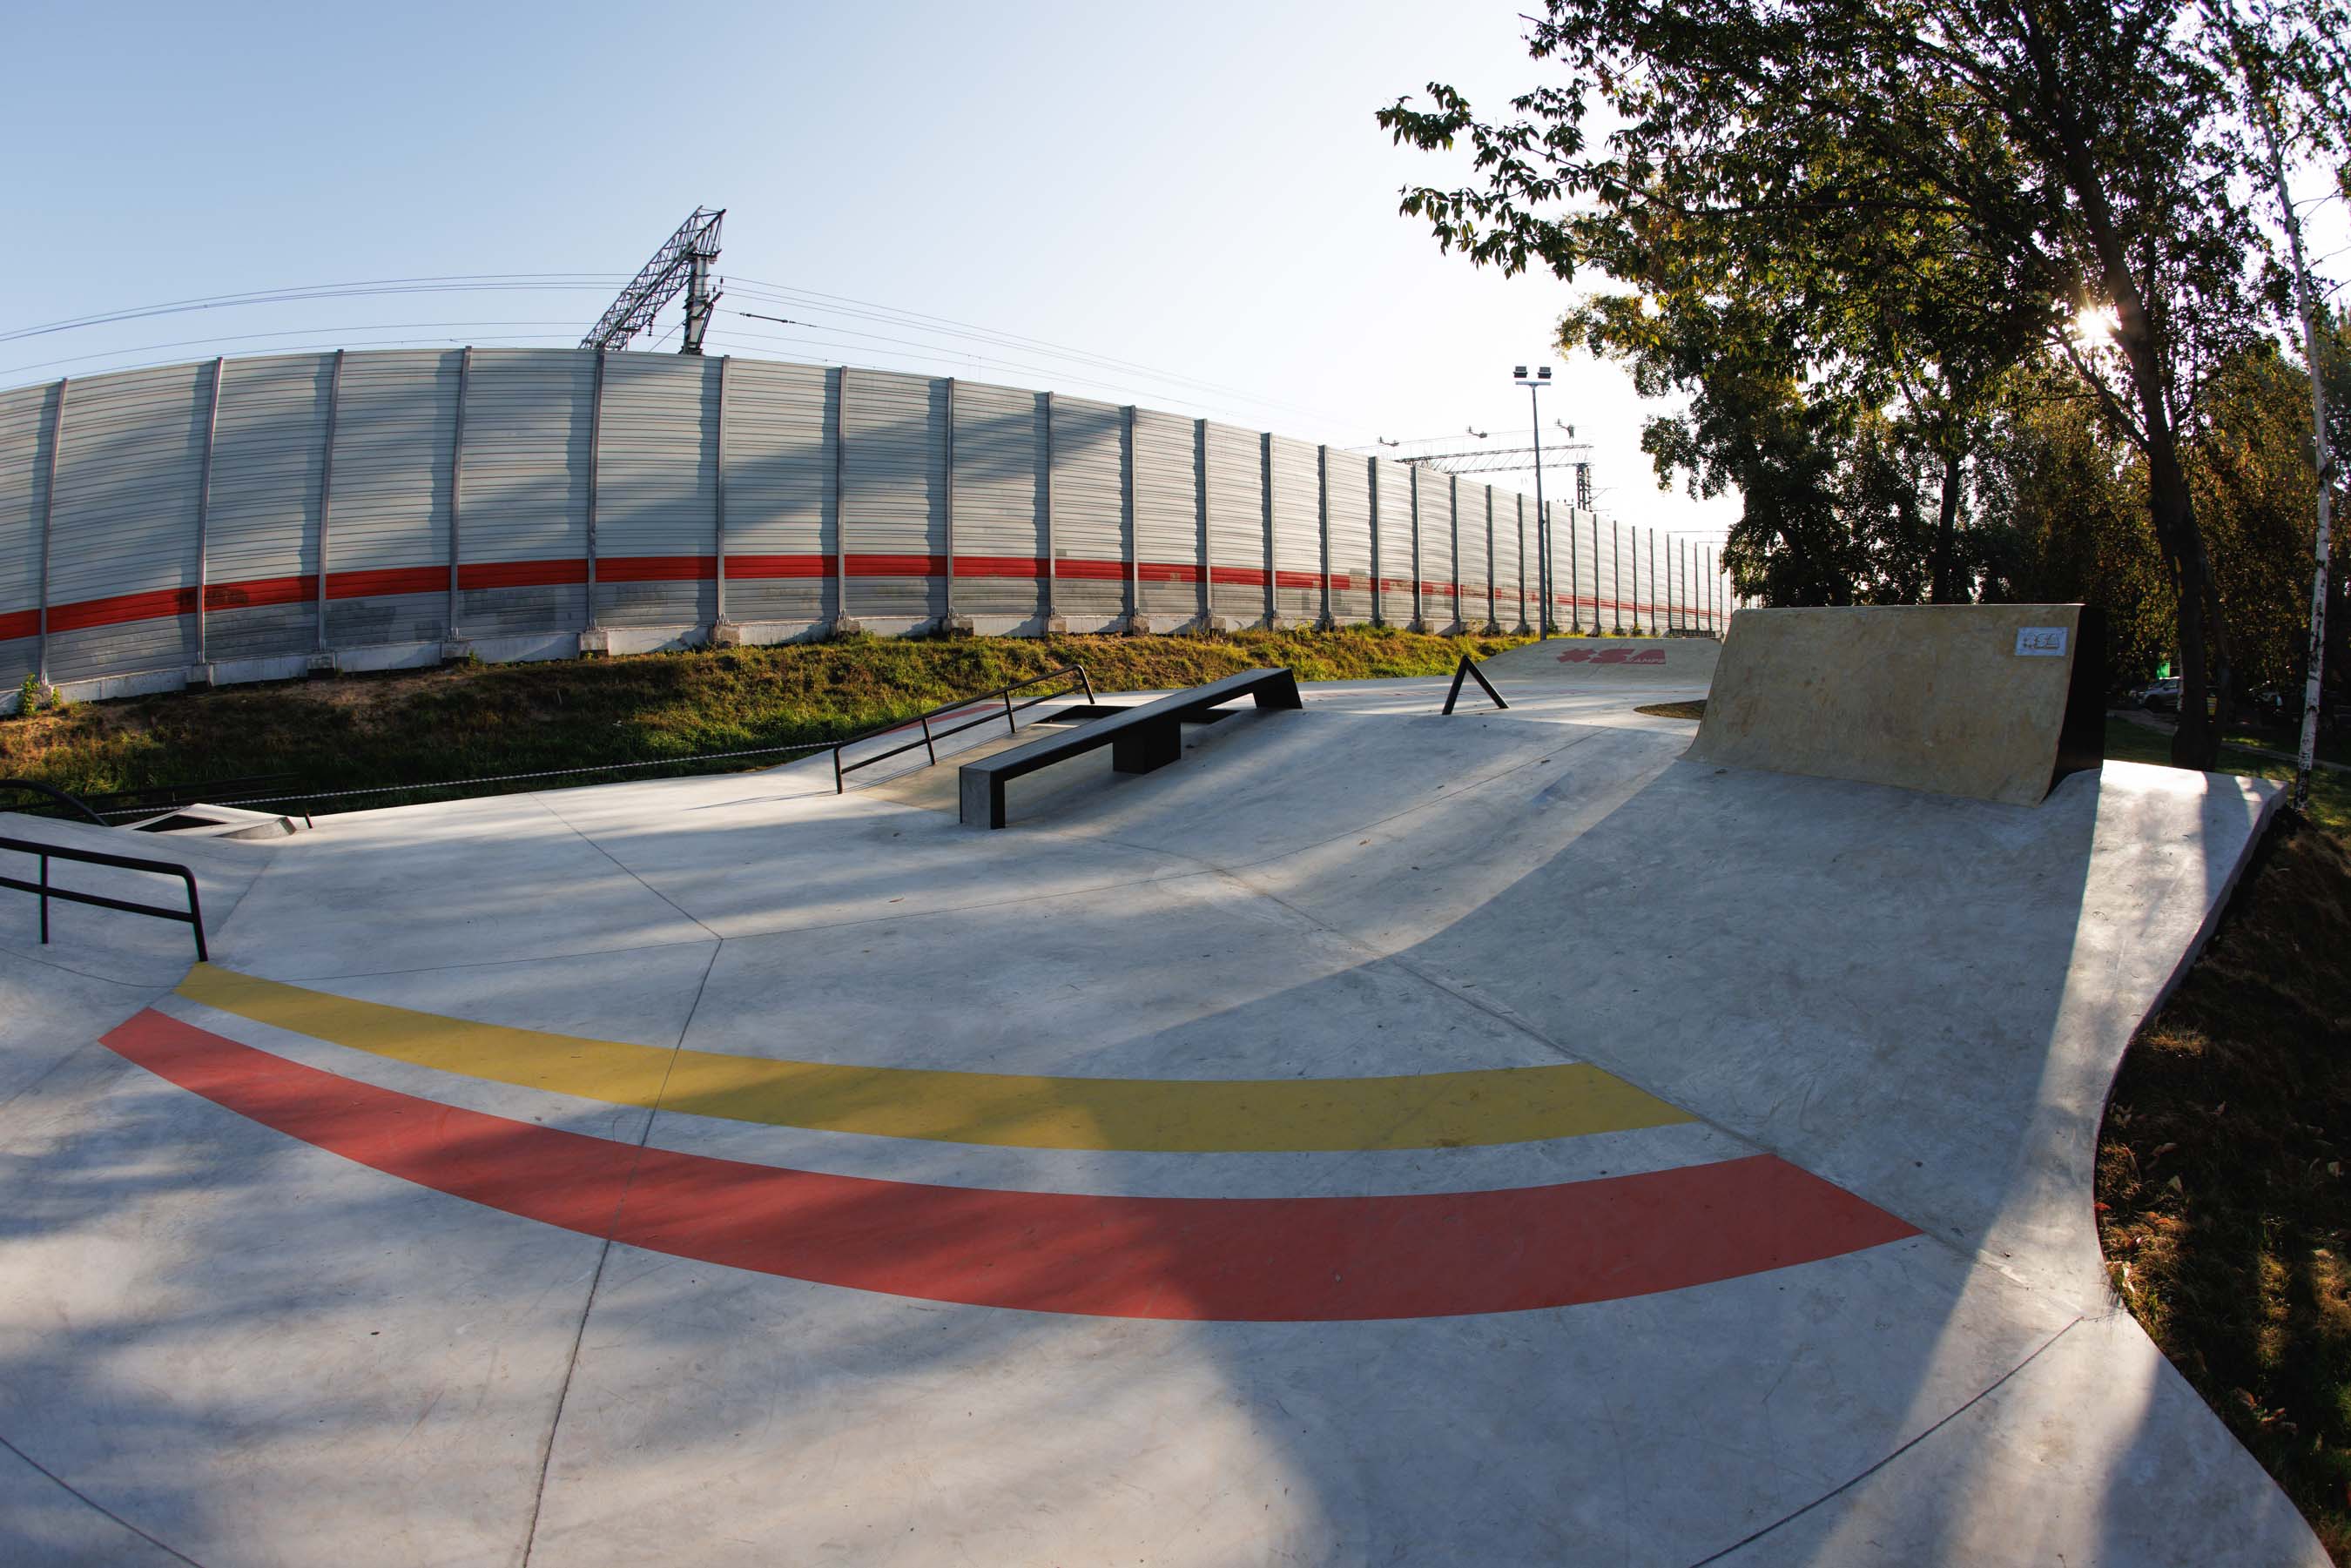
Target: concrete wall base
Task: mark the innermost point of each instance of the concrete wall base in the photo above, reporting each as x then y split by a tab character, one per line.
726	634
844	626
955	626
322	663
595	639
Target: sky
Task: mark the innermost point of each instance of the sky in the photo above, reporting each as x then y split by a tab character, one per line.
1187	207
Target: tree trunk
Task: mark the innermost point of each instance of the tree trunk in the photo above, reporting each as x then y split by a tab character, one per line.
1941	586
2194	744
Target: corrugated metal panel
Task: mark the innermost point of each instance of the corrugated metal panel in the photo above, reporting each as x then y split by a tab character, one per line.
122	572
1297	531
388	536
1000	500
1394	560
525	498
1474	534
1237	522
1438	607
657	491
27	416
893	502
269	449
1089	523
1166	514
781	509
1347	480
1510	592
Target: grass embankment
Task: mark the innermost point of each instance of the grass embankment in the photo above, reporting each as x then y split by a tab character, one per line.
2224	1204
427	727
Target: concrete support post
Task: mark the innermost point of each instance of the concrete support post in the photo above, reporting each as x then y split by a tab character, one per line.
453	642
201	672
48	518
593	639
322	661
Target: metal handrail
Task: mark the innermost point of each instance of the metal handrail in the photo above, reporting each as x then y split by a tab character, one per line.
1468	666
931	738
193	916
61	797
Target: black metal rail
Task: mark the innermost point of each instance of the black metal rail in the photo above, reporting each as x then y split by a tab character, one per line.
71	802
194	915
931	738
1468	666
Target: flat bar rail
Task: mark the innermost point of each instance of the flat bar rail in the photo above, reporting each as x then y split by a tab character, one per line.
1141	739
194	915
931	738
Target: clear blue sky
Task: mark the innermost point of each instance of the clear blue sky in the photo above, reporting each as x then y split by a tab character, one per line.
1195	190
1199	189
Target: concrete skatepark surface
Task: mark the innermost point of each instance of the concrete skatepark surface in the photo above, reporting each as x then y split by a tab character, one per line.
1373	1137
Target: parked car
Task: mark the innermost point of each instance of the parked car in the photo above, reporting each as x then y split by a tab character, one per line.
2159	696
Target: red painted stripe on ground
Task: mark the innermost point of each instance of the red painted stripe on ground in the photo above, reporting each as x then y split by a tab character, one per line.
1256	1260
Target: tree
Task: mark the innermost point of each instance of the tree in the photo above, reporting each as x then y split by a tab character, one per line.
1959	170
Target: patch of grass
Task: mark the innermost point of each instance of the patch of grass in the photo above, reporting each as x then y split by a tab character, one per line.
1696	710
2224	1207
427	726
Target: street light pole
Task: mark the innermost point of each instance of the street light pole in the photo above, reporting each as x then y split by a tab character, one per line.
1535	385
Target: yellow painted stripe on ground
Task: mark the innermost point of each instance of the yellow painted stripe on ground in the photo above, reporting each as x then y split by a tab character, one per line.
1430	1110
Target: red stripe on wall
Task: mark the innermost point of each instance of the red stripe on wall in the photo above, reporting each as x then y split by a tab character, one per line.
1240	576
1081	570
1254	1260
1167	571
257	593
899	565
481	574
752	568
118	608
386	581
19	624
657	569
997	566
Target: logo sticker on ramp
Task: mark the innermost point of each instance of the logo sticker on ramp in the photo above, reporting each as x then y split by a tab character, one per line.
2041	641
